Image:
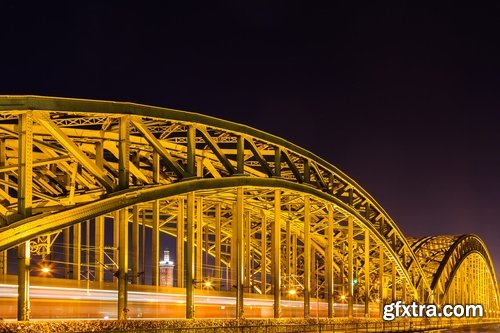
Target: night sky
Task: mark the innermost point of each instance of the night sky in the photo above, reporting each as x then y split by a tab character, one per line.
403	99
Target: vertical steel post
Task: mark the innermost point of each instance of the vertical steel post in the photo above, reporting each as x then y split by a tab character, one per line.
99	223
307	257
180	244
99	248
24	205
381	280
199	239
263	251
329	262
66	251
25	164
393	271
233	246
3	262
277	162
116	238
143	247
218	256
5	188
248	251
294	255
123	264
191	151
367	273
87	250
240	156
190	255
155	236
77	251
123	153
403	279
155	243
135	244
23	280
240	248
276	253
288	233
307	171
350	264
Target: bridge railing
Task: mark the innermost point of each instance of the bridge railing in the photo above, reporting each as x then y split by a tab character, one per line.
422	325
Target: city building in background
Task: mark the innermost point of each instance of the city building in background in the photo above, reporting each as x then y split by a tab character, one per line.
166	270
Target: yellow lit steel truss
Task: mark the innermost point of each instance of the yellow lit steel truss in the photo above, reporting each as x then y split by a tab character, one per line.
271	215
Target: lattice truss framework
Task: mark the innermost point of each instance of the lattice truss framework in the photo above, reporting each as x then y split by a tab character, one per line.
66	161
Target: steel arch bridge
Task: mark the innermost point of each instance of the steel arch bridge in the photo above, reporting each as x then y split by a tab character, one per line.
250	212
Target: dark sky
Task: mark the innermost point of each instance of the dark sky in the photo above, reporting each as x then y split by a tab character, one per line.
404	99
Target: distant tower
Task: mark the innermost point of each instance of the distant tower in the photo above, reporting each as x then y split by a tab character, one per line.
166	270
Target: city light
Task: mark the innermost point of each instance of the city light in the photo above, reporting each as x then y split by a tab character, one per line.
208	284
45	269
343	297
292	292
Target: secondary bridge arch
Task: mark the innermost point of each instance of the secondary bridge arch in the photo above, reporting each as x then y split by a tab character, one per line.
457	266
91	158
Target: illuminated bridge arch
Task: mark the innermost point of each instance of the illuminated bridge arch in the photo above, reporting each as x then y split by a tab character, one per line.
459	270
251	212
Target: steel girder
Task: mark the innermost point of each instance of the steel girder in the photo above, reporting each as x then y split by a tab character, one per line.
91	158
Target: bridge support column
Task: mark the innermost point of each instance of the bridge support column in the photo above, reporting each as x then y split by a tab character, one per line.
3	262
99	223
199	240
23	280
135	244
77	251
155	236
218	256
393	272
248	251
263	251
66	251
190	256
381	280
276	253
307	257
116	238
123	264
240	248
24	205
99	248
180	244
5	188
367	273
288	256
329	263
294	255
350	266
155	243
